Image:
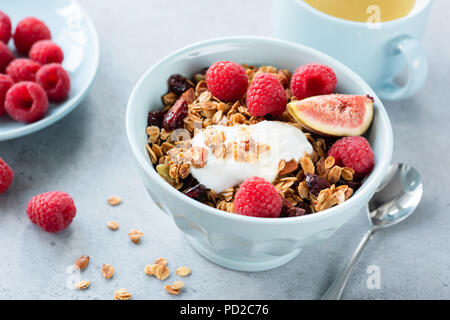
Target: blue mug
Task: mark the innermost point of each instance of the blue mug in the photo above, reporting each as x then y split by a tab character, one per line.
379	52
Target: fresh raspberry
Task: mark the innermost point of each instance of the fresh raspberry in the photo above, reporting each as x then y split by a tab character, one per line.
313	80
26	102
6	176
28	31
5	83
46	51
353	152
6	56
52	211
227	80
266	95
55	81
257	197
23	69
5	27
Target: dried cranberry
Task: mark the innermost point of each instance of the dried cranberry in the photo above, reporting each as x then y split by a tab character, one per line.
305	206
288	210
178	84
355	185
155	118
197	192
174	117
316	183
285	207
296	212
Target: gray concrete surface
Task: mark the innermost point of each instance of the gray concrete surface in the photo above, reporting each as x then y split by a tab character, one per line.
86	154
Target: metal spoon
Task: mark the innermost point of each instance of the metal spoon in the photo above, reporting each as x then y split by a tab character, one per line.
397	197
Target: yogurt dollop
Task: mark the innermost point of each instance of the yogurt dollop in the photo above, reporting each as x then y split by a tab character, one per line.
276	140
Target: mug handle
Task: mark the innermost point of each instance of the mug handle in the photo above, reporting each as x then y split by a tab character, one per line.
417	63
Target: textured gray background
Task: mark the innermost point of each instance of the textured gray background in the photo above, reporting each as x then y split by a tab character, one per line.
86	154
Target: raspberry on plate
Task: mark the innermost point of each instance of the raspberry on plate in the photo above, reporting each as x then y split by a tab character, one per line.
28	31
55	81
5	28
6	176
6	56
23	69
46	51
5	83
26	101
227	80
52	211
353	152
266	95
257	197
313	80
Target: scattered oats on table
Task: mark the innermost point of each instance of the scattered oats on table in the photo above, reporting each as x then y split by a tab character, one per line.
183	271
114	201
161	261
107	271
122	294
82	285
82	262
135	235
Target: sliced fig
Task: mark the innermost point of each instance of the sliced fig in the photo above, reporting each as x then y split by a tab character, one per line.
334	114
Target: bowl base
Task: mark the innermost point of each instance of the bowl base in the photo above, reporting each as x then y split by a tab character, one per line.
240	263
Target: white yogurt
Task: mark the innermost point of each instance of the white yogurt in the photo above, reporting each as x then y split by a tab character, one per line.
286	142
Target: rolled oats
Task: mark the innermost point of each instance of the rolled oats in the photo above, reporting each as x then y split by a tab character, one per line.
174	288
135	235
183	271
82	262
82	285
107	271
114	201
113	225
122	294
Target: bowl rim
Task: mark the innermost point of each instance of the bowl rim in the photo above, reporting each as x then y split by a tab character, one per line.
370	184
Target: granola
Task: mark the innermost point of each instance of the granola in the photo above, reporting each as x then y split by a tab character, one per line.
173	156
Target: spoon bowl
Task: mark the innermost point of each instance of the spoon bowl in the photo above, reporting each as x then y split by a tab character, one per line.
397	197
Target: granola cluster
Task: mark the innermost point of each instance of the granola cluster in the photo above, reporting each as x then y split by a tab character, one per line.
312	183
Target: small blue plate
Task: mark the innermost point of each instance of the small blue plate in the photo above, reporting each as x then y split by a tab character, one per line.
74	32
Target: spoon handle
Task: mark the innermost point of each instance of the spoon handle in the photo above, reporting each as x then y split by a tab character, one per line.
335	291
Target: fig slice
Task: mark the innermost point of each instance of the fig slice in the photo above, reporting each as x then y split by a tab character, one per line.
334	114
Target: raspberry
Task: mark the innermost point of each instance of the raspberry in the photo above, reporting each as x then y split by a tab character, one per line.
5	27
266	95
46	51
55	81
5	83
178	84
173	119
52	211
26	102
353	152
6	176
227	80
28	31
316	183
257	197
23	69
313	80
6	56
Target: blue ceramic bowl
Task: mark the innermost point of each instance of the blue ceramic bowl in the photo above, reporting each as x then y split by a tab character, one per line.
231	240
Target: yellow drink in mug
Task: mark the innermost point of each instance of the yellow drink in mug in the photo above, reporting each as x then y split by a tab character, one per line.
363	10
